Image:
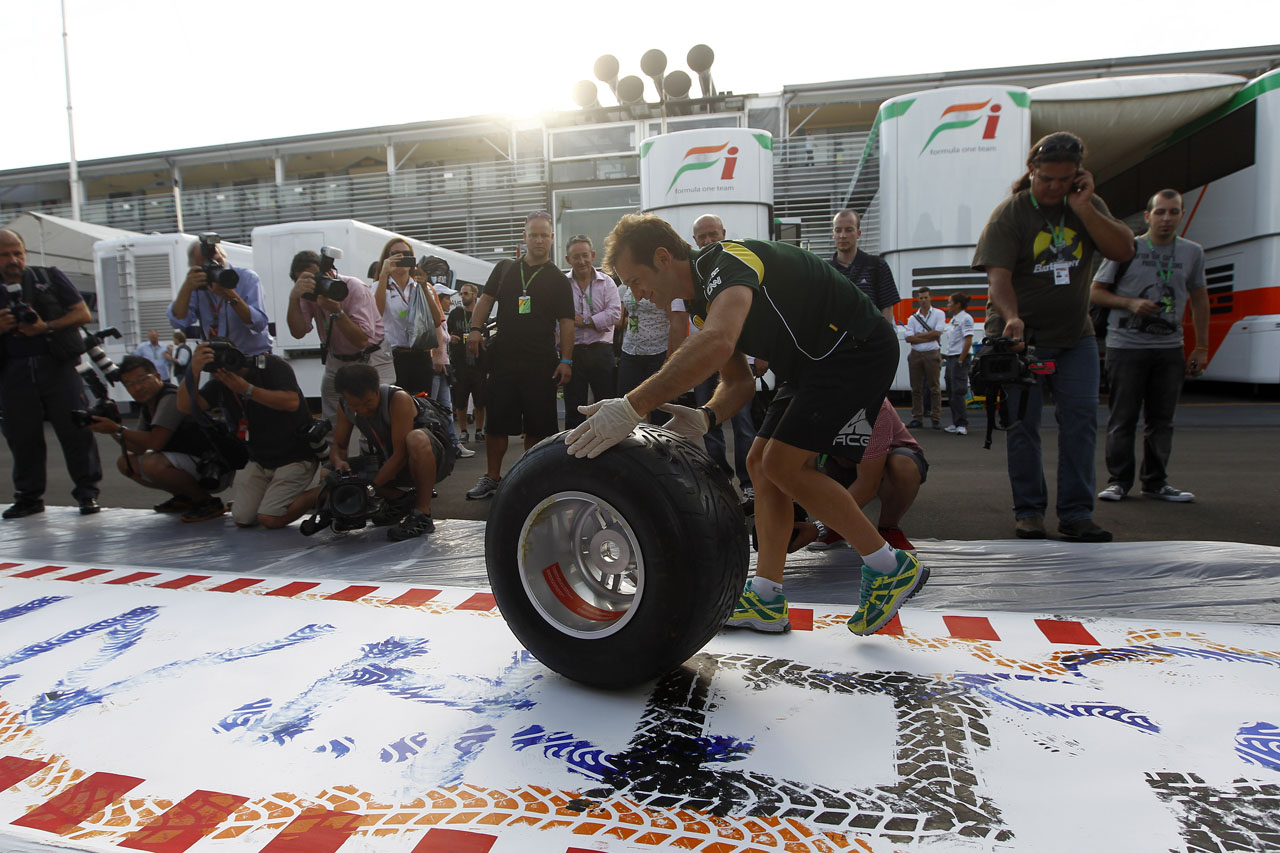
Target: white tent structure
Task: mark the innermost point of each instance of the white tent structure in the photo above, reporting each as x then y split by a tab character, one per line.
64	243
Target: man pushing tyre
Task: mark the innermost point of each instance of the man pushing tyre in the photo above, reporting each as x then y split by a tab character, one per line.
835	357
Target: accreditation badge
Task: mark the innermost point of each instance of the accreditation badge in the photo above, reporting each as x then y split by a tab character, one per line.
1061	273
525	306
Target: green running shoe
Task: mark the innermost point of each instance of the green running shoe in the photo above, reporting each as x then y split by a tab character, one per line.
759	615
882	595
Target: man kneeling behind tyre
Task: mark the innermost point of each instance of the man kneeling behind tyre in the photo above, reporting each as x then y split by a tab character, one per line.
407	452
834	355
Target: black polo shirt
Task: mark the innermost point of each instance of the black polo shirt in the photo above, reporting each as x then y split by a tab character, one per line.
872	276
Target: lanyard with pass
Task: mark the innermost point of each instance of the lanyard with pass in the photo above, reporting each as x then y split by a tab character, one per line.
1061	267
524	306
1164	272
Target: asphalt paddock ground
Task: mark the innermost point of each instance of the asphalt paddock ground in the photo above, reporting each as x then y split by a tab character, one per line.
1225	451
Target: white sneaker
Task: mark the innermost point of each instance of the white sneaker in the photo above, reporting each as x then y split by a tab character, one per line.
961	431
1169	493
1113	492
952	428
463	451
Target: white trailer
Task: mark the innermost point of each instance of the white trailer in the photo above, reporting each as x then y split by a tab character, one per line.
274	247
137	278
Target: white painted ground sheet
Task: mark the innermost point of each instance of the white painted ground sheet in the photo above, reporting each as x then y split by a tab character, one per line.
134	716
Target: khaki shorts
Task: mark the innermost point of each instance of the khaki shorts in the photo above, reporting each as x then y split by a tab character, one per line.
269	491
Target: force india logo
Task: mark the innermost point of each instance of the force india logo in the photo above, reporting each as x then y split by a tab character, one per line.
986	109
730	159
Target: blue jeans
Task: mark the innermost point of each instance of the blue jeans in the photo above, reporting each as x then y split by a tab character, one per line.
1075	390
744	433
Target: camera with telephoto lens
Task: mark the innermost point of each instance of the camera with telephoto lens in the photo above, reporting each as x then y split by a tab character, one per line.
214	272
102	361
327	284
101	409
316	435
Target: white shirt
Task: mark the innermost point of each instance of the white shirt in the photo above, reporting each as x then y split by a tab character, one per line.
958	328
935	319
395	316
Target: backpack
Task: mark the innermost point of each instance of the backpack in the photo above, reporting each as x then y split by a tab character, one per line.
1100	314
437	420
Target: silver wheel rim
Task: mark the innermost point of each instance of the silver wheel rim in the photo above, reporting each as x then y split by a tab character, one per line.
581	565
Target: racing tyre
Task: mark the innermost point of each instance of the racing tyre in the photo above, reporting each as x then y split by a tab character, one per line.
615	570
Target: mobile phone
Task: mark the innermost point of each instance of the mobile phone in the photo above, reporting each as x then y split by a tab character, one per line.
1076	187
406	261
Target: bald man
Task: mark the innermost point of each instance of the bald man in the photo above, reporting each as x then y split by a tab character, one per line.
41	314
707	229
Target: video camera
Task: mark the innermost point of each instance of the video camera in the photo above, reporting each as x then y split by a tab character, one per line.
997	365
214	272
348	501
326	284
105	408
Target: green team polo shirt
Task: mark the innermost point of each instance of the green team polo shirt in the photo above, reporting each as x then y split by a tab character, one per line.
802	310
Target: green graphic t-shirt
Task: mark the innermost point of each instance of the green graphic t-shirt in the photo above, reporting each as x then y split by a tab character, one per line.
1020	237
802	309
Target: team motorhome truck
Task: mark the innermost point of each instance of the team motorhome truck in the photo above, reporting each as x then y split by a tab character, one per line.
274	247
136	279
937	162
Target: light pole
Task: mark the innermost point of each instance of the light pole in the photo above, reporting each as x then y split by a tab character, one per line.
71	128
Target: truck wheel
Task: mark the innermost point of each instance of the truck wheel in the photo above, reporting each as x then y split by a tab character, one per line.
615	570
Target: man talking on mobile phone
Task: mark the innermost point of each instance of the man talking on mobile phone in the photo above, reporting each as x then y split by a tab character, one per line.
1037	251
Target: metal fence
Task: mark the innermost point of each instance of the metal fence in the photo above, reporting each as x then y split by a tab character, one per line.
474	208
812	176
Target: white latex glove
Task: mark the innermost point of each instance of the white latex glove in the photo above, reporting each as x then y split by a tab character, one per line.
689	424
608	422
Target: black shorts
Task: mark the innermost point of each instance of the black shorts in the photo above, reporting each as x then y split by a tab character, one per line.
522	403
469	382
831	406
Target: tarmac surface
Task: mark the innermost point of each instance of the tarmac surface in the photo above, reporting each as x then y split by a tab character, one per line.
1224	451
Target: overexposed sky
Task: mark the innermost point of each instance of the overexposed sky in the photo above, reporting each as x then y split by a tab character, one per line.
152	75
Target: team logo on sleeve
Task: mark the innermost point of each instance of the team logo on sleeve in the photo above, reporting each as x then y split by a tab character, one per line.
856	433
713	282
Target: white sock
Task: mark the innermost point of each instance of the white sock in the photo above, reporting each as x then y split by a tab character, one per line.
765	588
883	561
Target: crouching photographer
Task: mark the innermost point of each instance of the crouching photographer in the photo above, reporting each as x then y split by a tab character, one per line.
168	451
408	440
279	482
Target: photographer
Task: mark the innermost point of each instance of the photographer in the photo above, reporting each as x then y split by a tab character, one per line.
1037	251
41	315
350	325
405	452
225	301
279	483
166	449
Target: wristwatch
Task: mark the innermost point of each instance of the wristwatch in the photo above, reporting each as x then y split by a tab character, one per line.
337	315
248	393
711	417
